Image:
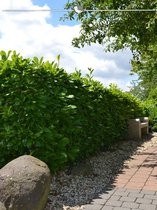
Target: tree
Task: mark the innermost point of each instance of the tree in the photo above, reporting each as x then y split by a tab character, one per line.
121	29
116	29
146	68
137	90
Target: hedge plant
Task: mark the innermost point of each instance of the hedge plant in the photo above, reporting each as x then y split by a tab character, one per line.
151	108
55	116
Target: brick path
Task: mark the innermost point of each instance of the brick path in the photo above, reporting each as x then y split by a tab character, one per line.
134	188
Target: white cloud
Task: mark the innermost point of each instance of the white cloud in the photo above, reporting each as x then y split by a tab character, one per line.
31	35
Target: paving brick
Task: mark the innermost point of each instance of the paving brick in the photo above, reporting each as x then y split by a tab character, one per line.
121	189
150	188
129	172
107	208
136	195
121	193
135	185
92	207
116	182
138	180
152	179
120	208
144	201
148	192
137	209
154	202
120	184
131	186
123	178
147	207
139	175
153	197
115	197
130	205
133	190
128	198
144	170
105	196
113	203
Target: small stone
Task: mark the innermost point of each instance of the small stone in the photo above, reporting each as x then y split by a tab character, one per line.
2	207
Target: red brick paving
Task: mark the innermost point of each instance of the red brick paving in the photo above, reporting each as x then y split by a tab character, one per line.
134	188
141	172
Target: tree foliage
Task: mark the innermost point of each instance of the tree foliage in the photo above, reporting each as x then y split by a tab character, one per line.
146	87
146	68
138	90
118	29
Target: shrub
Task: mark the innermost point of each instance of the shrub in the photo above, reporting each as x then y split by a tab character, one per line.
151	111
55	116
151	108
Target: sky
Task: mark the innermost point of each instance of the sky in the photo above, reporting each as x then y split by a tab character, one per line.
43	34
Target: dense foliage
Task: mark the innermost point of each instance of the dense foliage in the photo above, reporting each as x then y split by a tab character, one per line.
146	68
151	111
55	116
150	105
117	29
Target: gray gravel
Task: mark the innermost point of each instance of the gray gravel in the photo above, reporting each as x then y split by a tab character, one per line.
71	189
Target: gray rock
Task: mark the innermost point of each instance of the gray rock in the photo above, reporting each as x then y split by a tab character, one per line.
24	184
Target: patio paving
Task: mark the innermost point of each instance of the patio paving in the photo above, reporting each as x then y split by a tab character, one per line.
134	188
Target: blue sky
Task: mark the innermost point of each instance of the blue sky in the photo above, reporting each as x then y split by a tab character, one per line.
42	34
55	4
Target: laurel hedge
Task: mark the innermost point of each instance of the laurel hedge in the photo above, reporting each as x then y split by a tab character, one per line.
55	116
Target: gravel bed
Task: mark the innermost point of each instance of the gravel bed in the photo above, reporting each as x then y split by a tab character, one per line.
73	188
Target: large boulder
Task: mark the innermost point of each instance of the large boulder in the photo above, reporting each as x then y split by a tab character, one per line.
24	184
